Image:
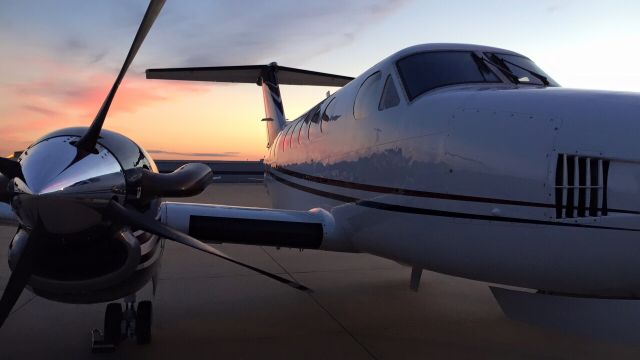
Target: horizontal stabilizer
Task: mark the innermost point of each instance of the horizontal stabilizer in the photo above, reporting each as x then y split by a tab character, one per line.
250	74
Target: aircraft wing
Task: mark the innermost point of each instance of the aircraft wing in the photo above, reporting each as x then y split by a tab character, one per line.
313	229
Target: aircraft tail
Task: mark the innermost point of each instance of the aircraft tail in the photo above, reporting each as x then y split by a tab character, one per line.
269	77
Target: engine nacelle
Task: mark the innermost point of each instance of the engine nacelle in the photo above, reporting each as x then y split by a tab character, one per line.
89	268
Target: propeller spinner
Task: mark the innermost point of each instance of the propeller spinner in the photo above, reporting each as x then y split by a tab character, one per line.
83	180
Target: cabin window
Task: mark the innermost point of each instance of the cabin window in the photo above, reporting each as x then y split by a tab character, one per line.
277	141
390	96
316	122
368	96
313	117
308	115
287	132
295	133
426	71
274	145
329	113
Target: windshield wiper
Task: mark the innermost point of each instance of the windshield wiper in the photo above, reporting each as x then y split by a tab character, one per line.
540	77
502	68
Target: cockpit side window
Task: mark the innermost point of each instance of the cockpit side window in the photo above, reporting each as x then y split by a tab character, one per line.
390	96
426	71
368	96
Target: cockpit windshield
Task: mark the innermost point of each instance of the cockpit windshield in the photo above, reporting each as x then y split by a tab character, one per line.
521	68
425	71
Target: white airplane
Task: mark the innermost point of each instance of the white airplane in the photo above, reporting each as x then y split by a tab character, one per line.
461	159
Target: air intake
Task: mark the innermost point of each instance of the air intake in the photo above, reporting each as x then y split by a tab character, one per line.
581	186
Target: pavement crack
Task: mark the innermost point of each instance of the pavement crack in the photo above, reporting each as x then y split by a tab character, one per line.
323	308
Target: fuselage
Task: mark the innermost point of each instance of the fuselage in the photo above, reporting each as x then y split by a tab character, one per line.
520	184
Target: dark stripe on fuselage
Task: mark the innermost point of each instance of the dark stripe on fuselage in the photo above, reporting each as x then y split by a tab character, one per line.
424	194
432	212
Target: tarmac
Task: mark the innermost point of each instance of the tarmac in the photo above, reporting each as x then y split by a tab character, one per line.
361	308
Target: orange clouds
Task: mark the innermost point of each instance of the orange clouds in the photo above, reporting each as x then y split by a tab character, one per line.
65	98
178	120
55	55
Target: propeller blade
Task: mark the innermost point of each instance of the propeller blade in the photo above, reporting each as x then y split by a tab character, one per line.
10	168
5	196
133	218
89	139
21	273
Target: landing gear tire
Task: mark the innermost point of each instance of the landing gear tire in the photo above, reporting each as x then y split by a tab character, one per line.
143	322
113	324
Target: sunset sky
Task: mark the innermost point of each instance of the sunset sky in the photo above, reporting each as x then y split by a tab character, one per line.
58	58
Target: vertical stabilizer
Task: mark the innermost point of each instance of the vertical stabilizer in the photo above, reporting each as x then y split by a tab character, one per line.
273	108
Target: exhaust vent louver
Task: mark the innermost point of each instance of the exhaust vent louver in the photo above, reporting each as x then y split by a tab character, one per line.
581	186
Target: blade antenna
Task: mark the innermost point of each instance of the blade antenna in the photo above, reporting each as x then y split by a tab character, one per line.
88	141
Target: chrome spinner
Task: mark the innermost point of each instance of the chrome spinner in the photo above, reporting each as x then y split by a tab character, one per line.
65	189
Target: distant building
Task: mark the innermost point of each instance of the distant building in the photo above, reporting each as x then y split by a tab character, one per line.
16	154
223	170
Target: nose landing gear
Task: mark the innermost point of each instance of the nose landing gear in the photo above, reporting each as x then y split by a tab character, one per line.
143	322
132	322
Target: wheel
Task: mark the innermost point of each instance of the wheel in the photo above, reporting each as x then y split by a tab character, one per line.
143	322
113	323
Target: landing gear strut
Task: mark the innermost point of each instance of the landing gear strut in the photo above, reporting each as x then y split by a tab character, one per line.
132	322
